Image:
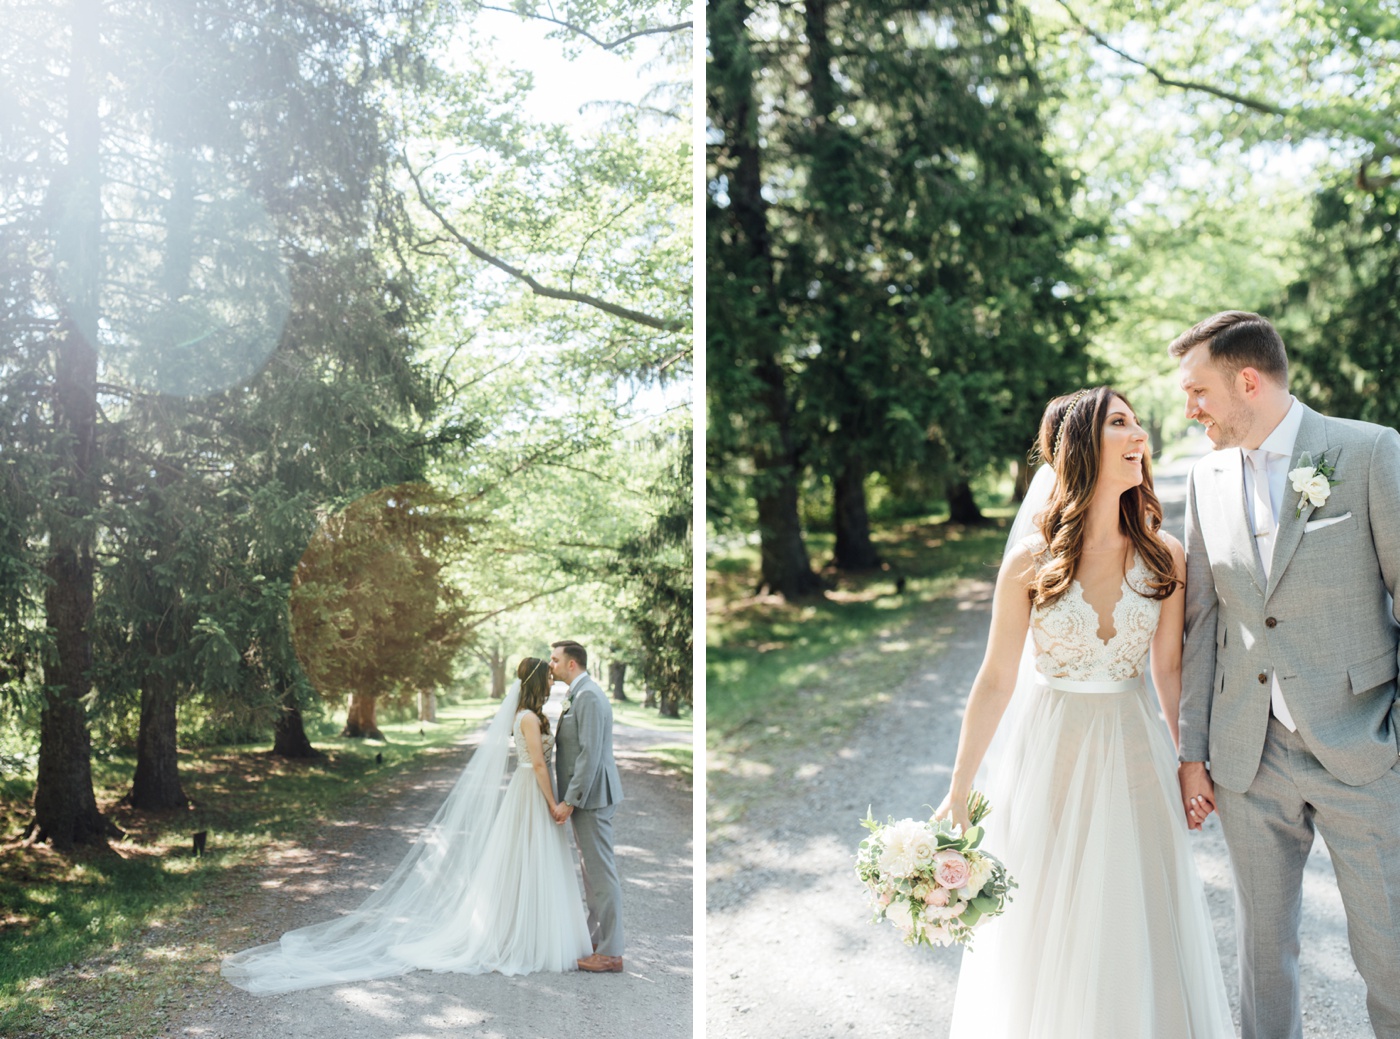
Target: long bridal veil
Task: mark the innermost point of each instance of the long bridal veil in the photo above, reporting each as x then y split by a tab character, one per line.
433	877
991	775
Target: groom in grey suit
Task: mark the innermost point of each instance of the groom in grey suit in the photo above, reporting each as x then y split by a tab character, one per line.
589	791
1289	716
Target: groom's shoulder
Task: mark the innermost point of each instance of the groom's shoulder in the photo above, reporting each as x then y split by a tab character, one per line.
1351	430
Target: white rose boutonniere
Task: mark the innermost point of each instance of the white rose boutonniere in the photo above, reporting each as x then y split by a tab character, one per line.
568	702
1312	481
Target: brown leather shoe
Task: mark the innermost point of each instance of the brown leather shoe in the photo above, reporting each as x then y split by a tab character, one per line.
600	964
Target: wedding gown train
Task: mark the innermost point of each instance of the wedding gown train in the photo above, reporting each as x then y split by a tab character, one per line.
489	886
1109	934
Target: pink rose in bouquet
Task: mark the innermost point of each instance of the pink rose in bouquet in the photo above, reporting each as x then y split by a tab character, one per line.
950	869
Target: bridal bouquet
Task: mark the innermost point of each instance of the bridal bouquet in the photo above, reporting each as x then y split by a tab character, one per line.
929	879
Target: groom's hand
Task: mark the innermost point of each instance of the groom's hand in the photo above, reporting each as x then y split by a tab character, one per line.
562	812
1197	792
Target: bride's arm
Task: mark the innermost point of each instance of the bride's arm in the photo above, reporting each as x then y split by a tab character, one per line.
530	728
1166	644
996	678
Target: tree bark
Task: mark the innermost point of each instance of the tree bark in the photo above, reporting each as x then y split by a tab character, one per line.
851	520
289	739
359	719
962	506
670	704
156	784
617	672
65	807
427	705
498	673
785	566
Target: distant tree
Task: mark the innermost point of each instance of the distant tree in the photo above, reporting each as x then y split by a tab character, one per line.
372	617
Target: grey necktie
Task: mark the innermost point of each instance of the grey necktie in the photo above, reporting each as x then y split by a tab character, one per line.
1265	522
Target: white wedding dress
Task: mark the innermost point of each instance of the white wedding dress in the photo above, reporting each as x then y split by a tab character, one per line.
1108	935
489	886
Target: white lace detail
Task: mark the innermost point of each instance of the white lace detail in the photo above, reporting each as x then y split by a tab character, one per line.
1066	633
522	750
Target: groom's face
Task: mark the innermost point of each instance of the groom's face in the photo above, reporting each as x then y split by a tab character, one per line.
1213	399
558	666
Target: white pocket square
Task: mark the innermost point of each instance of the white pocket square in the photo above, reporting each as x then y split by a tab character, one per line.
1312	525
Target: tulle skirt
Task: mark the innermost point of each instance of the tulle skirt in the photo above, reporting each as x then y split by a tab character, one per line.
522	912
1108	935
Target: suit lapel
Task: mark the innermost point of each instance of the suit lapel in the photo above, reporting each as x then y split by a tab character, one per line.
1228	467
1312	439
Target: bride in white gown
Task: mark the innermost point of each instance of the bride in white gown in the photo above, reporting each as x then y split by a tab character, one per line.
1109	935
489	886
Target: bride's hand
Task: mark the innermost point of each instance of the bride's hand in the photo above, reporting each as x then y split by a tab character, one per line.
957	810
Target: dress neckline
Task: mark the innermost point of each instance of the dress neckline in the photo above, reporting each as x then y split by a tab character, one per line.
1123	588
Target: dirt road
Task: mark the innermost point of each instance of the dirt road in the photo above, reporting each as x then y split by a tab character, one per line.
336	871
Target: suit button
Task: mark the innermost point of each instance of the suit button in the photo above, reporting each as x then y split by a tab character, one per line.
1263	678
1270	622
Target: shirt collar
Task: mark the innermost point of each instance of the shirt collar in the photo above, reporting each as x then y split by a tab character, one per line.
577	679
1285	434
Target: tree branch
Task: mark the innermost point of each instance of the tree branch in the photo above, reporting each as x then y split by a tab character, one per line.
515	606
664	324
1170	81
579	30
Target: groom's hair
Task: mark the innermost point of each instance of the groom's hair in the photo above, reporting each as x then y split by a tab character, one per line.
573	651
1237	339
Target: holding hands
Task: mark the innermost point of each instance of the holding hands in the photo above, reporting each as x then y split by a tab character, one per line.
1197	792
561	812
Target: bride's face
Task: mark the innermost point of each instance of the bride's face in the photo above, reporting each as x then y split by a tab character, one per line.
1123	448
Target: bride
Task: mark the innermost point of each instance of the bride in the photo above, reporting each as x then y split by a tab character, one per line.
489	886
1109	934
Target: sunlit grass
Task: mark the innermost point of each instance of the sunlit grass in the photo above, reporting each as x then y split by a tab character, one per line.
786	671
58	913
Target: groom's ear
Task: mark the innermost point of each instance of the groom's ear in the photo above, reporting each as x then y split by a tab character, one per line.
1249	382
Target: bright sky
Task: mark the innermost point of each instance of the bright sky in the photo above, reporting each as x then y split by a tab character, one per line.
563	88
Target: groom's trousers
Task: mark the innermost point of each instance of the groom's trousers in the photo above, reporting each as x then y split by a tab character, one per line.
601	887
1269	830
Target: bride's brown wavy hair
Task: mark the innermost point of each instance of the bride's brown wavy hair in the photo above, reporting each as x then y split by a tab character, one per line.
534	688
1071	439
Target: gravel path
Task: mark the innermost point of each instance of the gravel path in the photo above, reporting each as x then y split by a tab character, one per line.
336	870
790	948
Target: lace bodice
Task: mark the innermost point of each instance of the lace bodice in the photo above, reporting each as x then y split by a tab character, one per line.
522	750
1066	633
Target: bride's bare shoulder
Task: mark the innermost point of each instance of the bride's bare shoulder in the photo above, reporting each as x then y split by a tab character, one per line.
1023	557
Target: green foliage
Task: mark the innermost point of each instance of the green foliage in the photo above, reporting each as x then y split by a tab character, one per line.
887	244
1342	317
371	613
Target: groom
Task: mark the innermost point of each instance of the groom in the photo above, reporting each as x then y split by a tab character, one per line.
590	789
1289	715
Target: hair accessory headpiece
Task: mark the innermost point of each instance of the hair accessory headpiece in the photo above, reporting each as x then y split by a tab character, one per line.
1060	433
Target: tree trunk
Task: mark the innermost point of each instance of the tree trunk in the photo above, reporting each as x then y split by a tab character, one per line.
427	705
359	719
670	703
65	808
854	549
962	506
1023	473
1154	433
498	674
650	700
289	739
156	785
786	568
617	671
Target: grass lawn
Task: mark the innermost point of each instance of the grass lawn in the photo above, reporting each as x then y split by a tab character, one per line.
783	678
70	959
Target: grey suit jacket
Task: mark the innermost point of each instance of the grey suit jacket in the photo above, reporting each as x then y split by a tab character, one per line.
1325	620
583	756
